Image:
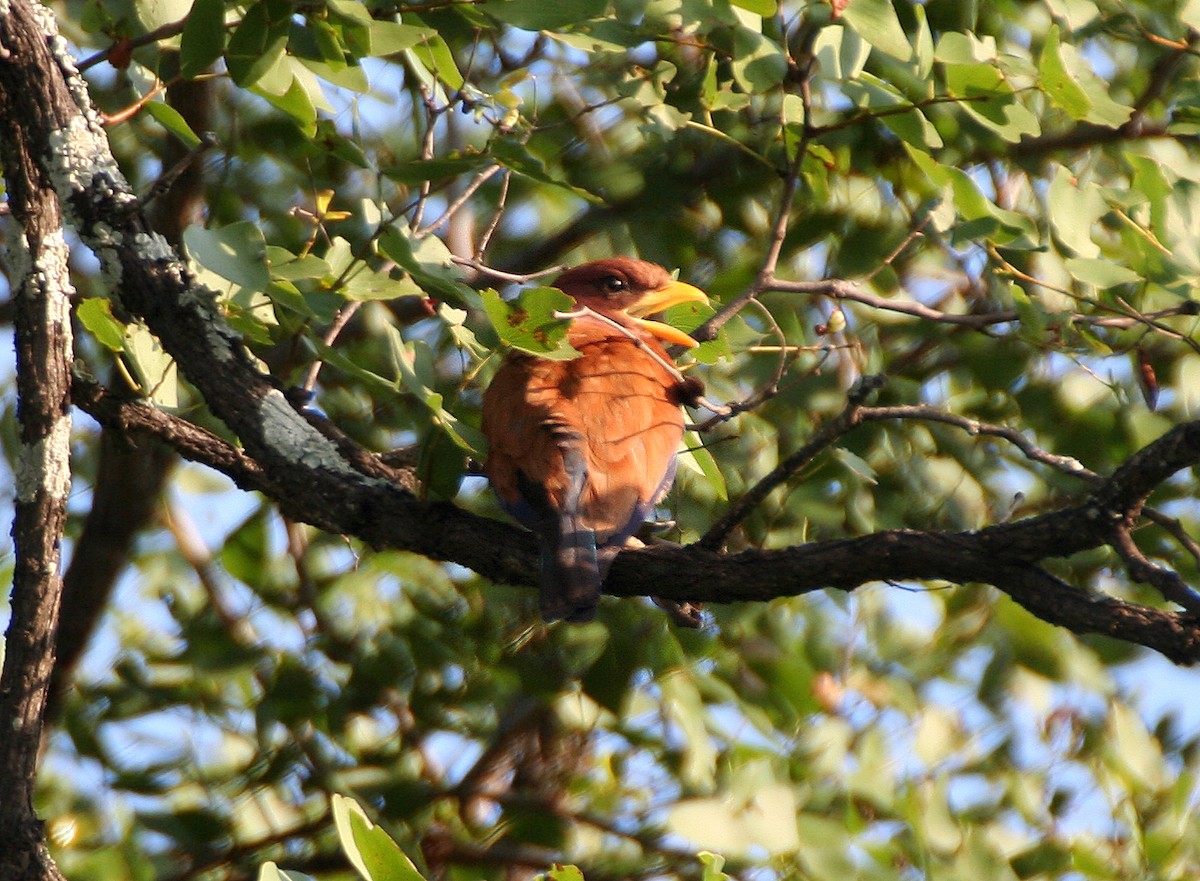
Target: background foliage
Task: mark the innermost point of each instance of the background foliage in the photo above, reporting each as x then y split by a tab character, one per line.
1016	188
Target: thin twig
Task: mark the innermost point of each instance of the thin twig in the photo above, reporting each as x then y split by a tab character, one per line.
825	436
510	277
486	238
1165	581
923	412
479	180
588	312
335	328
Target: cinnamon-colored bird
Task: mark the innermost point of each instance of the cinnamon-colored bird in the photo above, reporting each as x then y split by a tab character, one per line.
581	450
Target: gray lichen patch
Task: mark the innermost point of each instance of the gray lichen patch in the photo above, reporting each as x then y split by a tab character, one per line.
289	435
80	162
46	463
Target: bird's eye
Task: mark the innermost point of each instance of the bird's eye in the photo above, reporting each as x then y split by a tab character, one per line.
612	285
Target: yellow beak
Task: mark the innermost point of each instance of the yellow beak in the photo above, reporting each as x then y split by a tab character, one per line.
656	301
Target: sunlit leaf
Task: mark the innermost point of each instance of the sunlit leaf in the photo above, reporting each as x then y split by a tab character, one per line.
374	855
95	313
155	368
877	23
258	43
531	322
237	252
170	119
203	38
1101	273
534	15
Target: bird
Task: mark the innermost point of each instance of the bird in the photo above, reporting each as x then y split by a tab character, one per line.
581	450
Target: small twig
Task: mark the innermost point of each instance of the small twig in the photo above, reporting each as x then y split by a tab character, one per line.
127	113
335	328
926	413
167	179
1165	581
1158	326
501	275
731	141
479	180
916	232
427	145
171	29
588	312
822	439
841	289
1175	528
791	184
866	116
486	238
736	408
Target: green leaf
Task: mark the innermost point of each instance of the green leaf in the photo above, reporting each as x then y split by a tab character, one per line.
600	35
765	8
877	23
389	37
1076	14
518	158
923	51
1059	85
95	313
203	38
354	22
528	323
709	822
155	369
1074	209
685	708
370	850
985	218
268	871
698	457
414	363
433	57
236	252
428	261
910	125
1072	85
538	15
418	171
1190	14
965	49
1101	273
713	863
759	63
259	42
286	265
564	873
841	53
170	119
296	101
369	284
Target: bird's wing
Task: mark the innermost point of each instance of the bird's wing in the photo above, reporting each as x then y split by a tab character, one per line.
538	467
632	428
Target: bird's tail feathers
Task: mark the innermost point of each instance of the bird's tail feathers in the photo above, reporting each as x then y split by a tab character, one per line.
570	586
570	583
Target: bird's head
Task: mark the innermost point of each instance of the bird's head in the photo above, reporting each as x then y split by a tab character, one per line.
629	290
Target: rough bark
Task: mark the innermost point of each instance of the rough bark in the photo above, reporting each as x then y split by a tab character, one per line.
41	318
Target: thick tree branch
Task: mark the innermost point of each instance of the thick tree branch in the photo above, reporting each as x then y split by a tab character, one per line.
1007	555
41	289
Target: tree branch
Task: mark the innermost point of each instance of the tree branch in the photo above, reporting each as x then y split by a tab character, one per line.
41	291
